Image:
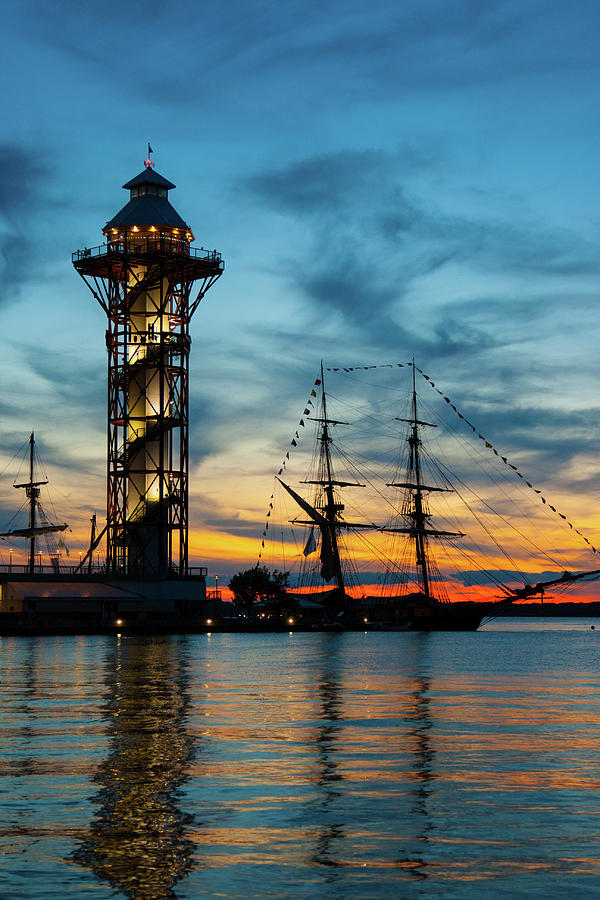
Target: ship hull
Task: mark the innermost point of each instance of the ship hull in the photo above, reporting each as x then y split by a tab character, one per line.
411	616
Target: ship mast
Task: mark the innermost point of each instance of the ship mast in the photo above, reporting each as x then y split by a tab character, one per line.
415	506
32	489
418	515
332	508
327	517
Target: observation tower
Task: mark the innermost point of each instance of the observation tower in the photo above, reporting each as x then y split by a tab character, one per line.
149	280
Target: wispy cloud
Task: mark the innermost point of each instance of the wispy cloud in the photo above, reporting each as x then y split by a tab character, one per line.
22	175
372	241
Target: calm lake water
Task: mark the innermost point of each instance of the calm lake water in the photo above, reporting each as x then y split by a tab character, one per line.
303	765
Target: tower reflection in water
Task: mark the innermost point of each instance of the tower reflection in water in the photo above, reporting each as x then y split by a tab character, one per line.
137	841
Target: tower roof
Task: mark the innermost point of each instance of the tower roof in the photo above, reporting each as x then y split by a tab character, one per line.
148	204
149	176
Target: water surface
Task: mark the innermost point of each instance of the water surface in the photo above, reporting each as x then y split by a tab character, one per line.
303	765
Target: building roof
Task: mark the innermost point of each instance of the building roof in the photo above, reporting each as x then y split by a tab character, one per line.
147	210
149	176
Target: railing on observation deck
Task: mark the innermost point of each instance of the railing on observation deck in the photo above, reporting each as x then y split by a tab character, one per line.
97	570
139	246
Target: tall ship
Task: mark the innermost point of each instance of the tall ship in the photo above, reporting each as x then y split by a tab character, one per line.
412	593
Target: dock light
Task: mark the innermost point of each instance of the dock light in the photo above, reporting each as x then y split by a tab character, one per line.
209	621
291	621
118	621
365	621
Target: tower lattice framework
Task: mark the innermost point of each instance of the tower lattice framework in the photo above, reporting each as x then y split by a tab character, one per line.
149	282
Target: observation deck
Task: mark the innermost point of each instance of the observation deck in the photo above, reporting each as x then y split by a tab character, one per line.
107	260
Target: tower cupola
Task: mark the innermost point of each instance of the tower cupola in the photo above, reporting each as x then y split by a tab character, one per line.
149	211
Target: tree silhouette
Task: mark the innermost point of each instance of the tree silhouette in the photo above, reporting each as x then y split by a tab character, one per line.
258	585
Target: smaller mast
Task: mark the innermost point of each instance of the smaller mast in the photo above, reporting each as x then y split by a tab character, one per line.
32	489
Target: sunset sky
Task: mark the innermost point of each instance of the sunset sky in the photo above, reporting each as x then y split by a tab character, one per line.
383	180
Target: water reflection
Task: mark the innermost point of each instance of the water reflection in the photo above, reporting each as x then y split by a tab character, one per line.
422	755
137	841
328	775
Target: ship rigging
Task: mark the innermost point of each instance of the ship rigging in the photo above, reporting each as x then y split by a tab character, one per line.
410	588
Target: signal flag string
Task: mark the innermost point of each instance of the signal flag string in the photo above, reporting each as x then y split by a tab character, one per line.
490	446
293	443
475	431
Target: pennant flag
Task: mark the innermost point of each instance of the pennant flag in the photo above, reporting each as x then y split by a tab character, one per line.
306	412
488	445
287	455
294	444
301	422
313	393
311	544
268	514
280	471
318	381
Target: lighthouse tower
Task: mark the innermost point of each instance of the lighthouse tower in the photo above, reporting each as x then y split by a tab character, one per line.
149	280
